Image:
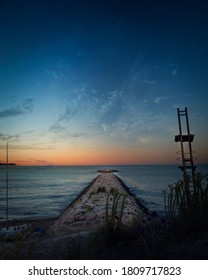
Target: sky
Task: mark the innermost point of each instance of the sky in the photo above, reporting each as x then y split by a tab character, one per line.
90	82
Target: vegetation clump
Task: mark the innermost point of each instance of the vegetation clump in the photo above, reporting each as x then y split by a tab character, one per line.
114	214
188	200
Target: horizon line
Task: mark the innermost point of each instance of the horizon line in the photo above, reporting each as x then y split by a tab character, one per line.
83	165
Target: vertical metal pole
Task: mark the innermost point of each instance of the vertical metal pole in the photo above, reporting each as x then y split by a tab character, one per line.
181	140
190	147
7	186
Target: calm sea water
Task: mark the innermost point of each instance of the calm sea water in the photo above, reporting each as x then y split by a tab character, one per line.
46	191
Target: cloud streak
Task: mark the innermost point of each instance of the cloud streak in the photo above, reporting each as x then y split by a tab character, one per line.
25	108
7	137
159	99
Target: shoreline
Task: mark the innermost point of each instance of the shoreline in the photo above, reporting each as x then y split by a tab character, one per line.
46	221
33	223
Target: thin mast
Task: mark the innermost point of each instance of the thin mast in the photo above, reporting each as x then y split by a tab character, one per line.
7	186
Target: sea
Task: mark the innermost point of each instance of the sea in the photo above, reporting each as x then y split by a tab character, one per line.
45	191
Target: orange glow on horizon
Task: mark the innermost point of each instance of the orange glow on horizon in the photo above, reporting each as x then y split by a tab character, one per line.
112	156
105	156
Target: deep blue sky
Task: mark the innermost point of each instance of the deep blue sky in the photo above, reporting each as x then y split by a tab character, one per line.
99	81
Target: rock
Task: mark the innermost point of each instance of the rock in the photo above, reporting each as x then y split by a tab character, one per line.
107	170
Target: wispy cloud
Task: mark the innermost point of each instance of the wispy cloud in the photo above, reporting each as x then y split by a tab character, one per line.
25	108
174	68
68	113
34	162
33	146
175	72
59	70
7	137
56	127
159	99
110	100
148	82
85	111
145	140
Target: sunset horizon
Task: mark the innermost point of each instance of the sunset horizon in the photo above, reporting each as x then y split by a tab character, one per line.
111	158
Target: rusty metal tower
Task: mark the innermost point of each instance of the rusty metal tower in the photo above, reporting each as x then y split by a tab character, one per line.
185	138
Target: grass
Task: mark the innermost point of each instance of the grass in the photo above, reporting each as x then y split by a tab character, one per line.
188	201
114	214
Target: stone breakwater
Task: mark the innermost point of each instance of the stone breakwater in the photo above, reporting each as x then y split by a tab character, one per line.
88	210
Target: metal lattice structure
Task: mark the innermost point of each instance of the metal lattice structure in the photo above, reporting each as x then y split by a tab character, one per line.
185	138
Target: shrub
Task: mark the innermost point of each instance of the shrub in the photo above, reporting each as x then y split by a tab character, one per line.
188	199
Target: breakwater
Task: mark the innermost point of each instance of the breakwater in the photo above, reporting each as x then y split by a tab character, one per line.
90	208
